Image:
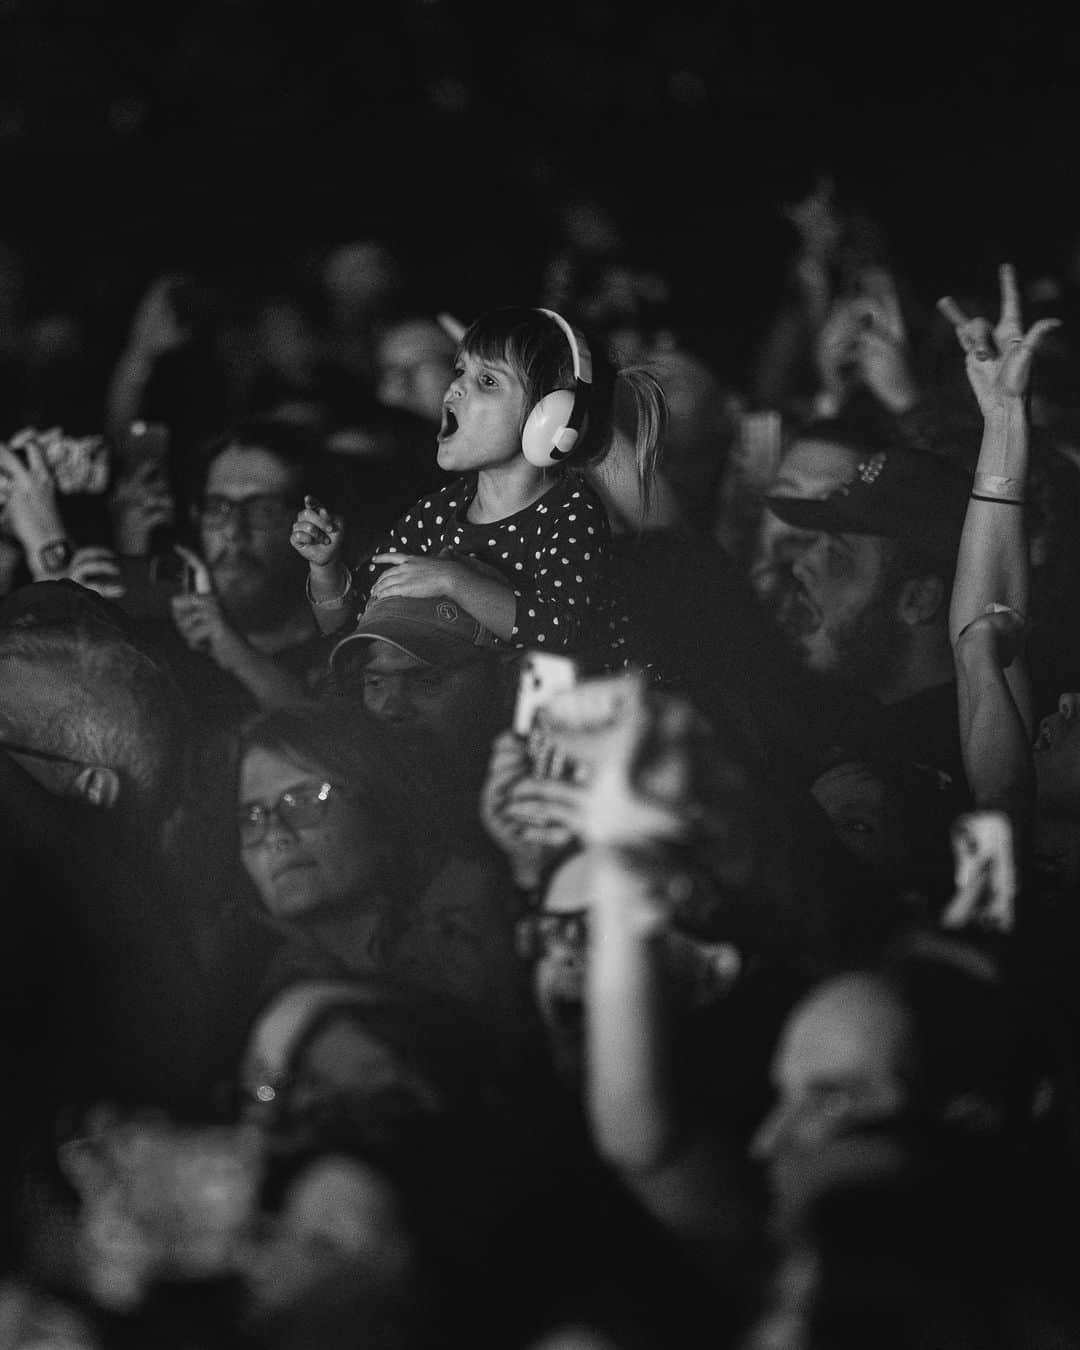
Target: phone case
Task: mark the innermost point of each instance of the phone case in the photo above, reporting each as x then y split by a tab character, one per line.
543	674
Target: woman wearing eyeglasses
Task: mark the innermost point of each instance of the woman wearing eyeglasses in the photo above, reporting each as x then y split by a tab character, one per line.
338	833
347	844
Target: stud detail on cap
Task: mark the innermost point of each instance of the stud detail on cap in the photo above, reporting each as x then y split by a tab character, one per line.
869	471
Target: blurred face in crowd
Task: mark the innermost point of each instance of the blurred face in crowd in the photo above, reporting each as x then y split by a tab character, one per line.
338	1215
844	1059
810	469
414	364
1057	759
248	505
456	709
301	852
856	800
840	613
346	1063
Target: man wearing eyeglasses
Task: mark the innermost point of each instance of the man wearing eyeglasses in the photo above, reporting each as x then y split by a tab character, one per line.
248	611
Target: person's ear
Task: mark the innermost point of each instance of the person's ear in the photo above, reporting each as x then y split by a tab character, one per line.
98	786
921	600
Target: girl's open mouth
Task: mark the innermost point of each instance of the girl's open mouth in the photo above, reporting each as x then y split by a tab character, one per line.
449	424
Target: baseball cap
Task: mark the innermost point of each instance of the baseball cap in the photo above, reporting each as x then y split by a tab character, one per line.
904	494
434	630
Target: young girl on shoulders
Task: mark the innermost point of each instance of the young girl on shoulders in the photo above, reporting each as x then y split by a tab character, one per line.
519	539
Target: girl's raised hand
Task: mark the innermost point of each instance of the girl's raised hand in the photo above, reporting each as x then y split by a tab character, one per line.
998	359
317	534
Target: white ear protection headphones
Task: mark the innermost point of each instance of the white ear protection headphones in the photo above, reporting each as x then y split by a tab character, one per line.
555	424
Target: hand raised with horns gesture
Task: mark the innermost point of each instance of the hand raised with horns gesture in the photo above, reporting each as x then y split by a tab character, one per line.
998	358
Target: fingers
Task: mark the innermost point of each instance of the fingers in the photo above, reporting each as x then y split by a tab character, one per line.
1038	331
952	311
35	462
394	559
10	462
203	583
309	536
977	339
97	570
314	513
1010	298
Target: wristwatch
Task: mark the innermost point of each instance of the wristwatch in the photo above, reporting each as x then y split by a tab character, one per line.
54	556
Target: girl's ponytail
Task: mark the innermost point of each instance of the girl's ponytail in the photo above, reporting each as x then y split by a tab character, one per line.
648	405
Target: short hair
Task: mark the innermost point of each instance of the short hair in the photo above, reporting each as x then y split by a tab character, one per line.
296	448
904	561
123	709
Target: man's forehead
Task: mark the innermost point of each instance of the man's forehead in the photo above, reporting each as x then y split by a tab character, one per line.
384	658
241	471
851	1027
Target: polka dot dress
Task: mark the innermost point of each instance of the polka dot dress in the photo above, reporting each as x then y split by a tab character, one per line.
556	553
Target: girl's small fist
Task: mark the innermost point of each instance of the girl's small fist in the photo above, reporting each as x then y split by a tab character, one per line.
317	534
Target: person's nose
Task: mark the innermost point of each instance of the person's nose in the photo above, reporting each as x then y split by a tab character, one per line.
280	835
235	525
391	702
769	1133
454	390
804	560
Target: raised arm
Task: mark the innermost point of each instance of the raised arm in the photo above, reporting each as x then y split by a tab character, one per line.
992	563
155	331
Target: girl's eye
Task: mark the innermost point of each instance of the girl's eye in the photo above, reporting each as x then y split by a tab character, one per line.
488	381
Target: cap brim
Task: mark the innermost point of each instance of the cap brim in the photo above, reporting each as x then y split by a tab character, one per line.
809	513
412	639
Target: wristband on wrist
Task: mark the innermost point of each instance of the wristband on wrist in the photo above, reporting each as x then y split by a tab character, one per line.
335	602
993	487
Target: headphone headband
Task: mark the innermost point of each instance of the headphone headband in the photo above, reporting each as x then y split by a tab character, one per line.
579	348
556	423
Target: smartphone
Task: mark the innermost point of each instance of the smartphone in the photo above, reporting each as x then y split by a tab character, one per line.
149	442
984	875
151	583
79	464
543	674
171	574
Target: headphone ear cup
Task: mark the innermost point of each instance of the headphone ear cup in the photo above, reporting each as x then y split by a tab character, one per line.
544	423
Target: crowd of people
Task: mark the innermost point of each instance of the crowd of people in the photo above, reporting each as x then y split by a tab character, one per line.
518	835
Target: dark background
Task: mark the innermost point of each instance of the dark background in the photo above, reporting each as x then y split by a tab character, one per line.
239	133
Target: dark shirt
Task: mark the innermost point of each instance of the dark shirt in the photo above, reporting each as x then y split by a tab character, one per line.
922	731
